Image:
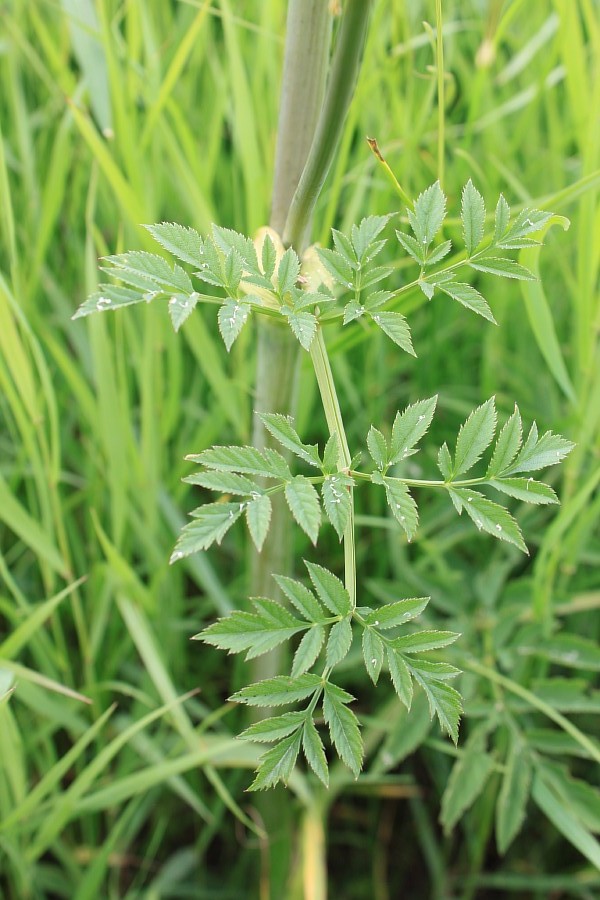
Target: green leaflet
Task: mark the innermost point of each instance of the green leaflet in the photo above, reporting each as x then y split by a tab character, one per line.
337	501
278	763
330	589
338	643
396	327
282	429
472	216
474	436
428	215
184	243
304	505
343	729
258	517
232	317
373	652
308	650
210	525
409	427
314	751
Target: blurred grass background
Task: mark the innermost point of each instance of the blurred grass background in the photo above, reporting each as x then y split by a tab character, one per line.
113	114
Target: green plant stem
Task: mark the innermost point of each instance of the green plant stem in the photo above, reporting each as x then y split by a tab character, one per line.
344	72
335	423
303	84
440	89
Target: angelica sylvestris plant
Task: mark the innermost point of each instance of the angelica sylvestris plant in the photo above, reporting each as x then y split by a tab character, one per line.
328	287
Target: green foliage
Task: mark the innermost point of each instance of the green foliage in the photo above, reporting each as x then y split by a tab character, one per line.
330	618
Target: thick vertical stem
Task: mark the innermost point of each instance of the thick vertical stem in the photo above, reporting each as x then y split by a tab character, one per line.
303	85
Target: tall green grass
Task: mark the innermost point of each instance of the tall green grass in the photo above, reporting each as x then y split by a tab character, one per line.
118	773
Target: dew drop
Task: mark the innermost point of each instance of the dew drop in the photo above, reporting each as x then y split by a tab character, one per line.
373	662
498	527
104	301
172	301
421	418
376	622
